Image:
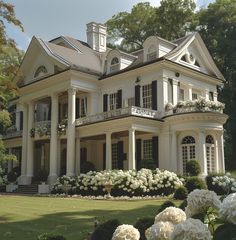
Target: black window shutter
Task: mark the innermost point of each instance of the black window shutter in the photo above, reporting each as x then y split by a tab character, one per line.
137	96
105	102
138	154
77	108
119	99
154	95
120	155
104	156
59	112
155	150
50	111
178	91
21	120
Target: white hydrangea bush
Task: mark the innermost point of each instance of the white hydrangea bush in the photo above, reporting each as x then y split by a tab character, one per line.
227	182
171	214
228	209
125	183
159	231
126	232
191	229
199	201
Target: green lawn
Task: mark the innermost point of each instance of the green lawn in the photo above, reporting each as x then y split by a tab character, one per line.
24	217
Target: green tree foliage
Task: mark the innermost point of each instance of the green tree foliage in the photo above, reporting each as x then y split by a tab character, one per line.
217	26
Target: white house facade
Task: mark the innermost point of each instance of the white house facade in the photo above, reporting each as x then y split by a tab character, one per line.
83	102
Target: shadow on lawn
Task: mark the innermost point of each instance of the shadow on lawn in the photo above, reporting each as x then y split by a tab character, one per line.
73	225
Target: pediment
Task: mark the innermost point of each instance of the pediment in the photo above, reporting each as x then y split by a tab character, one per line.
38	63
193	54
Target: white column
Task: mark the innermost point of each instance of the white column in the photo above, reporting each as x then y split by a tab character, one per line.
175	91
77	156
53	140
108	151
131	163
30	144
58	156
221	153
215	95
70	157
207	94
165	90
216	154
160	96
174	155
189	92
202	152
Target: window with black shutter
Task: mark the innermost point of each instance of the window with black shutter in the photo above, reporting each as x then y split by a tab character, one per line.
105	103
154	95
21	120
137	96
138	154
119	99
170	90
77	108
155	150
120	155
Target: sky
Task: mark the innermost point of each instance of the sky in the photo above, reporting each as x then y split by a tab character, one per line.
48	19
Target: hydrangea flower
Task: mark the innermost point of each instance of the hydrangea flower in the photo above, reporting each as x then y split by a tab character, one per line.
228	208
159	231
126	232
199	201
171	214
191	229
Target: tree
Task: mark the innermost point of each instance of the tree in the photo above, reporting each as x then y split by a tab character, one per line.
217	26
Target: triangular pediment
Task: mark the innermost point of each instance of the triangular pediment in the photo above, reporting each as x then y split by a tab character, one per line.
39	62
193	53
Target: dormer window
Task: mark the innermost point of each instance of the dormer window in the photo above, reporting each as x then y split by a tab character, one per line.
189	58
152	53
42	70
115	64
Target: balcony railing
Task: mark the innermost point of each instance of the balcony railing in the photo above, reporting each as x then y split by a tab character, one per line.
12	132
41	128
117	113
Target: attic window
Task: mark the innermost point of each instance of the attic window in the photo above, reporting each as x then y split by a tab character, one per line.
115	66
189	58
152	53
42	70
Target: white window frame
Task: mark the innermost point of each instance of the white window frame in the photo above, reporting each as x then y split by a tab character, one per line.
114	155
146	95
147	149
181	94
113	101
210	155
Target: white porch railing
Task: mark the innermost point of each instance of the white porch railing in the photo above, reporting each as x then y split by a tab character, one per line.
121	112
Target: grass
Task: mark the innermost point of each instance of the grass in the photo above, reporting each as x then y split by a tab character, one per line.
23	217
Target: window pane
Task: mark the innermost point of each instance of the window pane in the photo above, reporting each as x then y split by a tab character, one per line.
147	96
147	149
114	156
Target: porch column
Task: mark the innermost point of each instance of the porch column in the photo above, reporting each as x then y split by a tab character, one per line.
189	92
77	156
70	155
58	156
175	91
131	164
174	159
30	144
160	95
215	96
22	179
207	94
165	90
202	152
53	140
221	152
108	151
216	152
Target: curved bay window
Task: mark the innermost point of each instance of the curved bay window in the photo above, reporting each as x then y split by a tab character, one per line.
188	145
210	153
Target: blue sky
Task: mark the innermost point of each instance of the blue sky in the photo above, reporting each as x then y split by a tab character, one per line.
48	19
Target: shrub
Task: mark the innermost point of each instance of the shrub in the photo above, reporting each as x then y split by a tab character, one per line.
17	170
105	230
48	236
193	168
220	190
181	193
225	231
183	205
195	183
86	167
41	175
11	176
142	225
165	205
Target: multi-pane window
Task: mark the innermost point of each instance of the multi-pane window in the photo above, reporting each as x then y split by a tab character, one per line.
181	94
194	96
115	65
211	96
147	96
114	155
113	101
147	149
188	150
83	107
210	154
152	53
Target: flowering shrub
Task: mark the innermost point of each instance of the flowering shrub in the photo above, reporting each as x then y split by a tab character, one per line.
159	231
62	126
228	208
199	201
191	229
125	183
171	214
227	182
126	232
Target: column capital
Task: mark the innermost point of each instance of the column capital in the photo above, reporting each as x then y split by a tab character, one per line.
54	95
72	90
175	81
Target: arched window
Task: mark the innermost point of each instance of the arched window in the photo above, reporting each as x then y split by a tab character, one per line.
188	150
210	153
41	70
115	66
152	53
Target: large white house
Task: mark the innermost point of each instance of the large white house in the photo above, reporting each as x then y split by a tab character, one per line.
85	102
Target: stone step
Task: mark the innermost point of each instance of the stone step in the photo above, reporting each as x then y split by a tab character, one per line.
27	189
